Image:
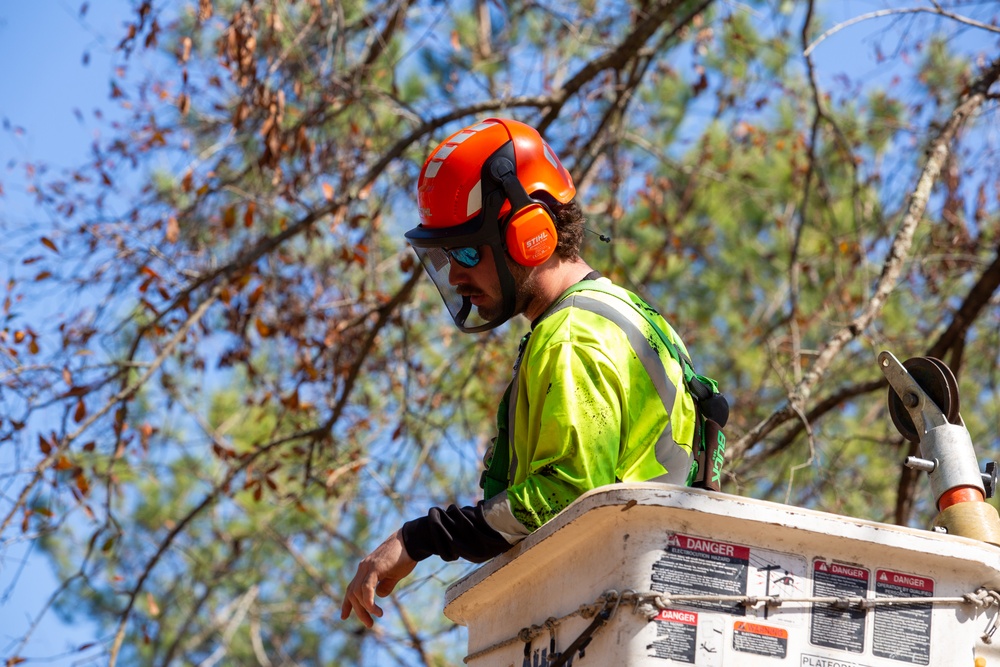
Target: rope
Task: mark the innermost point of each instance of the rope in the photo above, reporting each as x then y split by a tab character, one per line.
528	634
644	601
987	599
650	603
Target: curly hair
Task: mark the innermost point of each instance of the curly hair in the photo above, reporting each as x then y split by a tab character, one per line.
569	221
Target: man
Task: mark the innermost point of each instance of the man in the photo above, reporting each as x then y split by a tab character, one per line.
599	388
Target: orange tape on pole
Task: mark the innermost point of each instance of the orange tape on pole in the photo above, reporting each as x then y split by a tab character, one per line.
961	494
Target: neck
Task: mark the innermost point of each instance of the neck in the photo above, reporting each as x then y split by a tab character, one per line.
552	279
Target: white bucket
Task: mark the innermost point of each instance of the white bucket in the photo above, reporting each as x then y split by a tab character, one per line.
691	577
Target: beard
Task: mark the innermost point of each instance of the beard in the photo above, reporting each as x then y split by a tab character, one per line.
525	290
525	286
488	312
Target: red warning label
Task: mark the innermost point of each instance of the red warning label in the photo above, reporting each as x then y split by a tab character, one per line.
838	628
903	632
905	582
727	551
760	639
678	616
839	570
698	566
676	636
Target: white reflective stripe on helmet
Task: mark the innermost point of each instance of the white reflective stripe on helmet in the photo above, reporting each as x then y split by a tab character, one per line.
475	202
438	159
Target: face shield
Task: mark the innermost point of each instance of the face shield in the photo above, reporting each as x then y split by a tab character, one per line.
467	264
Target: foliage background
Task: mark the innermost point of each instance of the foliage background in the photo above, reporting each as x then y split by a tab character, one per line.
239	382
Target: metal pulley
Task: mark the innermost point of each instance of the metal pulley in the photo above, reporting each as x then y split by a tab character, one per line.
937	382
924	406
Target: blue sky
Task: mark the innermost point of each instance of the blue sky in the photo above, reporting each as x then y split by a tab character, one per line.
44	79
43	44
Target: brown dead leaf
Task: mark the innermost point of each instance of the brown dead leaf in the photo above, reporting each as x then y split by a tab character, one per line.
248	216
154	609
173	230
81	411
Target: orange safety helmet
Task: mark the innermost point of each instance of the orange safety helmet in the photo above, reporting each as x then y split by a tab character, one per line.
488	184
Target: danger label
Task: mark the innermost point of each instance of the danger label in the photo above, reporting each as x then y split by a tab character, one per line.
842	629
903	632
760	639
676	636
696	566
678	616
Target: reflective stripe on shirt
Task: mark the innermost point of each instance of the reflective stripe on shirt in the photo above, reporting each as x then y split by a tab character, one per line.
652	442
676	460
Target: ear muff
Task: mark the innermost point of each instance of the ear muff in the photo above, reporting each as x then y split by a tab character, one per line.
531	235
531	231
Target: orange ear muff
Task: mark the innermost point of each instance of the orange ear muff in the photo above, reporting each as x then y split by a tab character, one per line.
531	235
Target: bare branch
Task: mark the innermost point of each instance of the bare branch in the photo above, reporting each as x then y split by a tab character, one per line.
242	608
646	25
938	152
384	312
902	10
977	298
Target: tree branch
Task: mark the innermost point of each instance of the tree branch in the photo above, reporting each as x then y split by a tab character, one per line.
903	10
938	152
978	298
645	27
313	434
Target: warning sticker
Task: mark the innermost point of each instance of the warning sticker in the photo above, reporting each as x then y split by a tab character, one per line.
676	636
903	633
836	628
760	639
696	566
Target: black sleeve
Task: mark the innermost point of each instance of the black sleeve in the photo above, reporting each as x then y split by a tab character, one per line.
457	532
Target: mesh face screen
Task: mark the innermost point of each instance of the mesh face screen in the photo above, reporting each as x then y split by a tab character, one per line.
438	265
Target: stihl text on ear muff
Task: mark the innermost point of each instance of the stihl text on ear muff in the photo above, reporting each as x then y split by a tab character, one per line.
531	232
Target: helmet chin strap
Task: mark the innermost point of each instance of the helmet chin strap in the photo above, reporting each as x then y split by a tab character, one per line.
508	287
463	313
501	171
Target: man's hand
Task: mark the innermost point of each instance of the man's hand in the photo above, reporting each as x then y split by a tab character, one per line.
379	573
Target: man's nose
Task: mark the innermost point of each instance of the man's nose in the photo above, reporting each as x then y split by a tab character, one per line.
457	273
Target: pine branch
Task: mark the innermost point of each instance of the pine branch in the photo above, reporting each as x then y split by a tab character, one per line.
937	155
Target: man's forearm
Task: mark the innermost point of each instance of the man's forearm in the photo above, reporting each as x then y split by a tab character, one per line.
456	532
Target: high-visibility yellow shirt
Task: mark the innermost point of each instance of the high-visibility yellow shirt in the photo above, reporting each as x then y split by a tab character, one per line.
596	399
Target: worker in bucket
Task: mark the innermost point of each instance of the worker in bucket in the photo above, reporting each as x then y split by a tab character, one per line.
602	388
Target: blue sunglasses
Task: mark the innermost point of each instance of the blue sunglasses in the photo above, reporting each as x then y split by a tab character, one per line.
467	257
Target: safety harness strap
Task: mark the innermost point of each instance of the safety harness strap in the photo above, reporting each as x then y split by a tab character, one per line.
496	462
